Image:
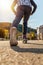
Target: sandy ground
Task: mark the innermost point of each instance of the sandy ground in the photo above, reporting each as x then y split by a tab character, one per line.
23	54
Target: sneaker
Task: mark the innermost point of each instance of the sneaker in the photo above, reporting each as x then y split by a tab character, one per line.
13	40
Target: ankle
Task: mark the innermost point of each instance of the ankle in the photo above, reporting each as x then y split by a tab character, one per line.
24	37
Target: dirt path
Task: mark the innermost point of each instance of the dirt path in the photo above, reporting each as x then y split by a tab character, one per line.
23	54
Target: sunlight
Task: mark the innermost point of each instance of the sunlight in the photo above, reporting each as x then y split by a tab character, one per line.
5	4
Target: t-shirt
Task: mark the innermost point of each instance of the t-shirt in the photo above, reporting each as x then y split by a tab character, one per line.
24	2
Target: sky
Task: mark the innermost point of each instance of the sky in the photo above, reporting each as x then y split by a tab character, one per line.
6	14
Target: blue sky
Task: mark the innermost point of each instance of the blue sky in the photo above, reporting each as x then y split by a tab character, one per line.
6	14
37	18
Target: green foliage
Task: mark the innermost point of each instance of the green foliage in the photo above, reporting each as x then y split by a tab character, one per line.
6	36
31	32
4	33
31	35
28	29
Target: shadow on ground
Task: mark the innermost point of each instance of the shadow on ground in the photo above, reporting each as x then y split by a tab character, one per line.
32	50
34	43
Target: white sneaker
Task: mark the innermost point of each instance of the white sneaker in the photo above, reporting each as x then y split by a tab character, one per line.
13	32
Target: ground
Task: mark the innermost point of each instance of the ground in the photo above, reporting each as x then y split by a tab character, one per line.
23	54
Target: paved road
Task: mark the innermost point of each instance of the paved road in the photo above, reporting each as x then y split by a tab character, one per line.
23	54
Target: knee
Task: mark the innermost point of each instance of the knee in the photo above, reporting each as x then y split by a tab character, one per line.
15	23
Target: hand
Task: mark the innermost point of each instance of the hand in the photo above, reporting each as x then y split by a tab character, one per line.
31	13
14	12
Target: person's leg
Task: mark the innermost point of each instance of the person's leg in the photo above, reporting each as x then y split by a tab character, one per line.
13	29
25	28
18	17
26	17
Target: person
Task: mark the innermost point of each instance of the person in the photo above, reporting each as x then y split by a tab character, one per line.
25	8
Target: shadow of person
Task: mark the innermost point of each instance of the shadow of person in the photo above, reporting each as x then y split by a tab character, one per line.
32	50
34	43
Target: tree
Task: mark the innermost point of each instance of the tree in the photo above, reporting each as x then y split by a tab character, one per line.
1	33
